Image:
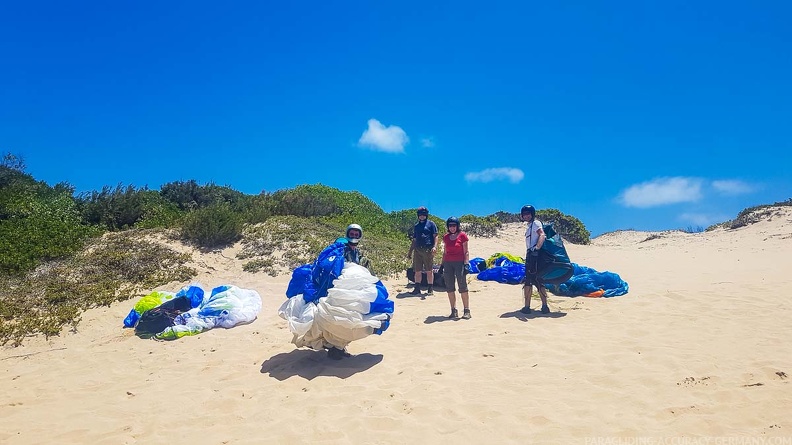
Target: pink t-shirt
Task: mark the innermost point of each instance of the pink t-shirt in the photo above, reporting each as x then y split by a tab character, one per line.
454	249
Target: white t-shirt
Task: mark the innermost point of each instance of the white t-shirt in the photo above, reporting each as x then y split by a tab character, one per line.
531	233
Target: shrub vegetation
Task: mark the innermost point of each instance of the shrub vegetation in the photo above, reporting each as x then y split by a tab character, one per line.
112	268
214	226
37	222
750	215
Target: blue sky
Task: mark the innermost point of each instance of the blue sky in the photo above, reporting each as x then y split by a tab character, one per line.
642	115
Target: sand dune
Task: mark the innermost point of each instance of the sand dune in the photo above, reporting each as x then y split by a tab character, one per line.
700	347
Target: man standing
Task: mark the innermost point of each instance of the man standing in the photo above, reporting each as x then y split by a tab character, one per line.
534	238
424	244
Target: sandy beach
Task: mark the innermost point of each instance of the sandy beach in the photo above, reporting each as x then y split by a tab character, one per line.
699	348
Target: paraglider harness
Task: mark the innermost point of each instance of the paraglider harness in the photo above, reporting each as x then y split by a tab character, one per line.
550	264
157	319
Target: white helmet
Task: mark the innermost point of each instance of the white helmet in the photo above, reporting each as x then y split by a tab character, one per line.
354	227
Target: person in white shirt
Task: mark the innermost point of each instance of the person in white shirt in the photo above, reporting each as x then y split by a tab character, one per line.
534	238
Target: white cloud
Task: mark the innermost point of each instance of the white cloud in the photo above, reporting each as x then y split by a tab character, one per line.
427	142
513	175
391	139
662	191
733	187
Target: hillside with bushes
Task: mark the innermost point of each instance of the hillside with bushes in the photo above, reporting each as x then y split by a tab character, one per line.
64	253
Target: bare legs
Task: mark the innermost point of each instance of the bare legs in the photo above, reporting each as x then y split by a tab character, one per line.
528	291
465	303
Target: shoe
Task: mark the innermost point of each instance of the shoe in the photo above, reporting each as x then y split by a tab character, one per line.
466	314
454	314
430	291
525	310
545	309
416	291
337	354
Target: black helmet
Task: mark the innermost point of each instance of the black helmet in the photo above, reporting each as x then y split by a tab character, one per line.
452	220
527	209
422	211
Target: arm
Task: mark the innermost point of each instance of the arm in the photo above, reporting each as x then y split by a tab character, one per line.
467	254
542	238
412	247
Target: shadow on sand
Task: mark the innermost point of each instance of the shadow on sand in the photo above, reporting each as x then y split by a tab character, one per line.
534	314
310	364
440	318
408	294
423	295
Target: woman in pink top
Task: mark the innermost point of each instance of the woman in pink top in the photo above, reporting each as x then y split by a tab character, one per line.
455	264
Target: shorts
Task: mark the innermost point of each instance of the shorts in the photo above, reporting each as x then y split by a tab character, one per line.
454	272
423	260
531	265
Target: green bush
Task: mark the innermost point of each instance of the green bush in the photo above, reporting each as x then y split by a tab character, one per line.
321	200
258	208
51	230
116	208
506	217
403	221
159	213
570	228
189	195
126	207
37	222
213	226
480	226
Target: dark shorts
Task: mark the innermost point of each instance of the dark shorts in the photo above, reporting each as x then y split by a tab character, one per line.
454	272
531	264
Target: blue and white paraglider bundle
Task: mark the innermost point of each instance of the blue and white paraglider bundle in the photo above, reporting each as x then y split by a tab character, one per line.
333	302
167	316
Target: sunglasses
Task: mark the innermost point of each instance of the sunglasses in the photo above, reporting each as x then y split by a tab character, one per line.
353	234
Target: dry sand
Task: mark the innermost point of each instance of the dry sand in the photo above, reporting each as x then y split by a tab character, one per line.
700	347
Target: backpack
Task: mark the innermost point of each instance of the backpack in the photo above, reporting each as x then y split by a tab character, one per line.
439	280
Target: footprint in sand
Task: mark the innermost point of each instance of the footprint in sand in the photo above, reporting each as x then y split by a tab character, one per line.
692	381
773	375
